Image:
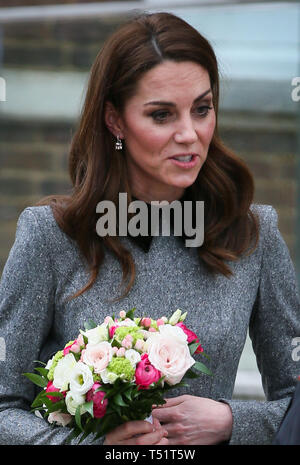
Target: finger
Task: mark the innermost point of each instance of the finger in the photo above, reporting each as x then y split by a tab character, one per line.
129	429
171	401
163	442
147	439
165	415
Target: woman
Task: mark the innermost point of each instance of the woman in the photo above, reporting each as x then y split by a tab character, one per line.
149	129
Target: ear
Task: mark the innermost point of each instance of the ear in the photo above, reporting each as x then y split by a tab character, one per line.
113	120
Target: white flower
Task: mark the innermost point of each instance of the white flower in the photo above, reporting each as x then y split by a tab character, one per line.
108	377
81	379
61	419
175	317
173	331
169	353
183	317
49	363
62	372
73	400
133	356
96	335
98	355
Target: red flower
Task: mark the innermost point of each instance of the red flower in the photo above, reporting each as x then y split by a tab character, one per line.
191	336
145	373
112	331
51	388
99	408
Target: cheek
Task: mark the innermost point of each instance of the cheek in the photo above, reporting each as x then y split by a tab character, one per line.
152	140
211	124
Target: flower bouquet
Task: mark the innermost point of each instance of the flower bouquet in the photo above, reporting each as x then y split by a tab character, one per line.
115	372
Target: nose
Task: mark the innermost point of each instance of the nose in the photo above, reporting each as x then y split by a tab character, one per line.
186	132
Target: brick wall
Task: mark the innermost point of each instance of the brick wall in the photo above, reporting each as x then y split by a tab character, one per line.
33	153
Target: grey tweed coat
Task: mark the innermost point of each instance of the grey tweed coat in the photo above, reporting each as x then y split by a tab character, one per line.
44	267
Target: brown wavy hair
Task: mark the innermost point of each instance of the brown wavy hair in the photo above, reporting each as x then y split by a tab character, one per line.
98	172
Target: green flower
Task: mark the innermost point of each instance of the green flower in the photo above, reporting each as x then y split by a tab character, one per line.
55	361
122	367
134	331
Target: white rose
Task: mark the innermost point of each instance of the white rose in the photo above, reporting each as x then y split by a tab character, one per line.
61	419
170	355
133	356
108	377
173	331
96	335
98	355
73	400
81	379
62	372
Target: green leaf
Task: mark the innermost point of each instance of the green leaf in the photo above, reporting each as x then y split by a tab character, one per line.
130	313
42	371
36	379
193	347
191	374
39	400
89	407
118	399
78	417
201	367
127	394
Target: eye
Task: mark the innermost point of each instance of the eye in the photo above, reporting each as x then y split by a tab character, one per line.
160	116
203	110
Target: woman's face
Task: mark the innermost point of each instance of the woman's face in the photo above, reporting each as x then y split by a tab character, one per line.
167	126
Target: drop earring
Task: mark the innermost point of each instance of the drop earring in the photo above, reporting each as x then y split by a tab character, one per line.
119	145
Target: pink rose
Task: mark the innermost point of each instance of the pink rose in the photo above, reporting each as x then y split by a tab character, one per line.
51	388
100	404
145	373
97	355
75	346
191	336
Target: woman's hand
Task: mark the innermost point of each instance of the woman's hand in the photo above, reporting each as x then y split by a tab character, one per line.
137	433
195	420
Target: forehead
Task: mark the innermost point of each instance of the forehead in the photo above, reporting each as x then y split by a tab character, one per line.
176	80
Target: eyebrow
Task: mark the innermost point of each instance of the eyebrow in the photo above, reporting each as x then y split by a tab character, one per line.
171	104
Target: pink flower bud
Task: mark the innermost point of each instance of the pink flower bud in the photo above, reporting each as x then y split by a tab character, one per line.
121	352
146	322
139	344
160	322
122	314
152	330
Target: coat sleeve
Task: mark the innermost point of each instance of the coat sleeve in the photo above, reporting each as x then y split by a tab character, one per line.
274	323
27	300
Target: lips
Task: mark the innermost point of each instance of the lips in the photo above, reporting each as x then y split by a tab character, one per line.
185	160
184	157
